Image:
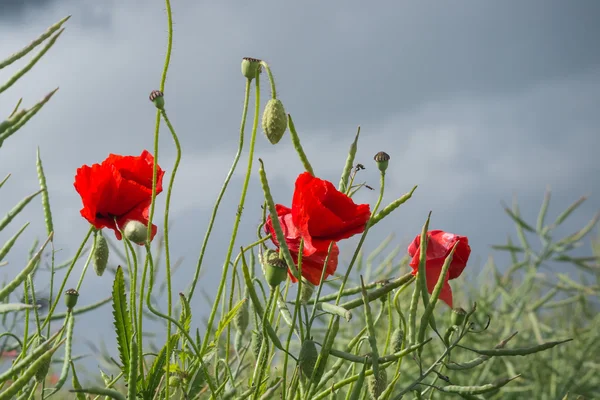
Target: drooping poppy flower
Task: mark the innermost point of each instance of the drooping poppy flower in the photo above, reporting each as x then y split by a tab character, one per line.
119	189
439	245
323	214
312	264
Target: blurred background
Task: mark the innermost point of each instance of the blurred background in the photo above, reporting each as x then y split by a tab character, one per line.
476	102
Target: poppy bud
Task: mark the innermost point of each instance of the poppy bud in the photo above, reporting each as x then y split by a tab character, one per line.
174	381
71	297
250	67
42	371
135	231
397	337
242	317
458	316
100	254
157	97
377	384
382	158
307	291
274	267
274	120
308	357
256	342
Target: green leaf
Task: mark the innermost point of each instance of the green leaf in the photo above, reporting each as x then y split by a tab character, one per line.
9	244
519	220
121	319
228	318
44	189
76	384
158	369
185	319
23	52
4	308
16	210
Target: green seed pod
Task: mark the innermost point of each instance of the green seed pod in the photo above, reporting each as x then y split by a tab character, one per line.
382	159
250	67
274	120
256	343
135	231
308	357
71	297
41	373
157	97
307	291
238	341
378	384
274	267
397	337
174	381
458	316
100	254
242	318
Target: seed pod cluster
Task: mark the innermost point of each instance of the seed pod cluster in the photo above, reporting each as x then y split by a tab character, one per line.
274	120
41	373
377	384
100	254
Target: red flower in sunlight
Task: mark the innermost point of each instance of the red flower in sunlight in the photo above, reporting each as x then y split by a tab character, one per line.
322	214
312	264
439	245
119	189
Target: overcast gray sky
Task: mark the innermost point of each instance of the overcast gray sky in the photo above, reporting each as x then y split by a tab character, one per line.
474	101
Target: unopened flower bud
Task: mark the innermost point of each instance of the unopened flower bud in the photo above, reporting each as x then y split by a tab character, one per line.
256	342
242	318
135	231
377	384
274	120
42	371
174	381
308	357
275	268
100	254
397	338
250	67
382	159
71	297
458	316
157	97
307	291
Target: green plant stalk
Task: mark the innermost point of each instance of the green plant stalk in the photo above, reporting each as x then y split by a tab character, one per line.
166	230
349	163
261	363
64	282
271	79
223	189
86	265
238	218
70	324
298	146
380	292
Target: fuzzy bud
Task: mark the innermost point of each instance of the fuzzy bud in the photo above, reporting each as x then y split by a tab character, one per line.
382	159
377	385
71	297
100	254
242	318
250	67
174	381
274	267
307	291
135	231
157	97
308	358
274	120
42	371
397	337
458	316
256	343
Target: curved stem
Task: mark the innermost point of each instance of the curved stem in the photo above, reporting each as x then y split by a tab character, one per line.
236	224
222	192
271	79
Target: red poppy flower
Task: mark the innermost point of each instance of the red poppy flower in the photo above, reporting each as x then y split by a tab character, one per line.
439	245
312	264
323	214
118	189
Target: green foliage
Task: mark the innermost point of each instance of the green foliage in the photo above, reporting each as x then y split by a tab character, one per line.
122	323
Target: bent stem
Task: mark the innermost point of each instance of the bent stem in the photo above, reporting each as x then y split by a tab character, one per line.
238	218
222	192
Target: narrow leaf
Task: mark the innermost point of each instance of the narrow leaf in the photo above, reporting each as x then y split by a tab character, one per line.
349	163
16	210
9	244
121	319
157	371
4	308
44	189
